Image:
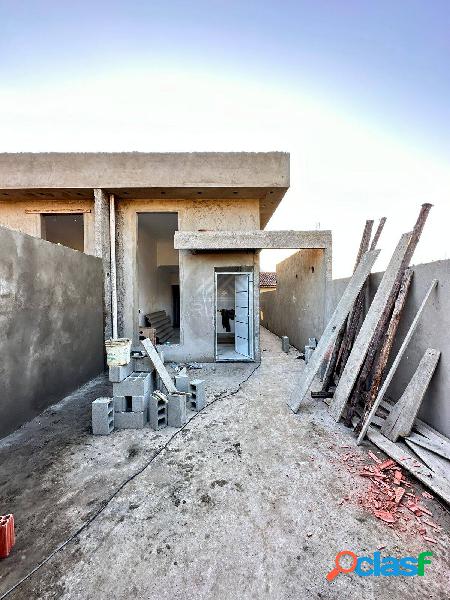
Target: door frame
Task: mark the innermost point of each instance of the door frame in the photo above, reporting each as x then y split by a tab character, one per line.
251	324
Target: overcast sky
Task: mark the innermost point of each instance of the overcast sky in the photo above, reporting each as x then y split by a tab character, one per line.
357	91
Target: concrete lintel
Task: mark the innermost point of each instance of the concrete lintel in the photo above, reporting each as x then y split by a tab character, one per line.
257	240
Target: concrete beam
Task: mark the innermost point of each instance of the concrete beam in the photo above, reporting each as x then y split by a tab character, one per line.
142	170
255	240
102	250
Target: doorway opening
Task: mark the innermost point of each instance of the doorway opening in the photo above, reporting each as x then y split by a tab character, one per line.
234	316
158	276
64	229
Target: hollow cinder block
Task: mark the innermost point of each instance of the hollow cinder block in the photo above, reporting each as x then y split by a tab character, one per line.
102	416
118	374
157	411
176	410
182	383
197	394
130	420
143	364
136	384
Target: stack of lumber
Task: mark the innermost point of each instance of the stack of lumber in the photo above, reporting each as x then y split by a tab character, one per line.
353	354
161	323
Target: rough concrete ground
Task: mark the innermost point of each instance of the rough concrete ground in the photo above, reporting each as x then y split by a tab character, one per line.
244	502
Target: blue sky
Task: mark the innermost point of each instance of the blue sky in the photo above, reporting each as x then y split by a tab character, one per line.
358	92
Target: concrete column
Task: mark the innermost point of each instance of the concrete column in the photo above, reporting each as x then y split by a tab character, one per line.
102	250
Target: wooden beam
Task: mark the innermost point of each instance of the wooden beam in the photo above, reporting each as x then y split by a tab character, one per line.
331	331
395	364
434	482
440	447
159	366
386	348
57	211
368	329
400	420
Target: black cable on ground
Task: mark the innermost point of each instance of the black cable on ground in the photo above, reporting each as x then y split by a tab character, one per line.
106	503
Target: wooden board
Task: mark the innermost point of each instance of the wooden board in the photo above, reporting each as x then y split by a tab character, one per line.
368	329
159	366
434	482
395	364
400	420
440	447
334	325
439	465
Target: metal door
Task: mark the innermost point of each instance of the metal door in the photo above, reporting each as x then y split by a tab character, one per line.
243	315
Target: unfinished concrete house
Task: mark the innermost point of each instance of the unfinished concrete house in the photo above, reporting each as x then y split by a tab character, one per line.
187	228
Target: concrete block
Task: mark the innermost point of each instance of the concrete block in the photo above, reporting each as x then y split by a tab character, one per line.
119	404
130	420
285	343
139	403
182	383
158	411
176	410
102	416
308	353
131	403
118	374
143	364
136	384
197	394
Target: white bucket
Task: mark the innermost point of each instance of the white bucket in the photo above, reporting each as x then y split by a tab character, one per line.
118	352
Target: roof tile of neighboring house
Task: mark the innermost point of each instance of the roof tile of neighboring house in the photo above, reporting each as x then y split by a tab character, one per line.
267	279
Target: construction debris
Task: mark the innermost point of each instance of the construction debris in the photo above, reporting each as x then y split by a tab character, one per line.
435	482
390	496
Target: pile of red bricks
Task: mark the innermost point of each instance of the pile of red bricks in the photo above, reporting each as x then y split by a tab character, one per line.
7	535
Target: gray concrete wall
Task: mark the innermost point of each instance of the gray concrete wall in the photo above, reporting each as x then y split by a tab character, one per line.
432	332
296	308
51	324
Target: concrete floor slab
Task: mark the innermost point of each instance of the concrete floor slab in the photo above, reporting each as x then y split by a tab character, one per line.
243	502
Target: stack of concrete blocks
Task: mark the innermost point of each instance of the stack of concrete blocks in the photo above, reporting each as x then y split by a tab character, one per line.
309	349
158	410
131	400
197	396
102	416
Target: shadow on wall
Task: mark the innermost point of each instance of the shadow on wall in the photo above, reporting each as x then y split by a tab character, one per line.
51	310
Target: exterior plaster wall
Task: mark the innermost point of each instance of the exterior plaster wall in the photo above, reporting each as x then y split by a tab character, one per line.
296	307
197	278
14	216
51	317
432	332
